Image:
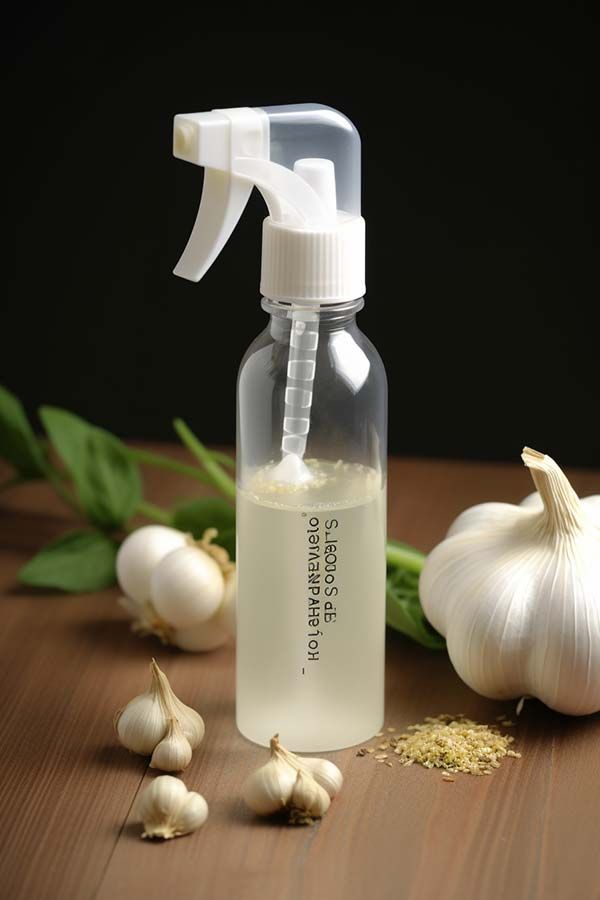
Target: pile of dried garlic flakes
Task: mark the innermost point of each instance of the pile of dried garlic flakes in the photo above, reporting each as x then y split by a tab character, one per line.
452	743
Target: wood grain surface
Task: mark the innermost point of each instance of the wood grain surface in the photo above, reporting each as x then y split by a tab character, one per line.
531	830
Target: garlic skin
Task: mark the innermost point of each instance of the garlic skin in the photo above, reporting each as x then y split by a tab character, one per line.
186	587
308	797
139	553
516	592
167	809
144	722
174	752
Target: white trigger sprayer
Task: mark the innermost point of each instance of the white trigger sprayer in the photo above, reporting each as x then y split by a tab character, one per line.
305	161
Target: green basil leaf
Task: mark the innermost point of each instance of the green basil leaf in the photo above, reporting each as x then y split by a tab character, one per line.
68	435
110	486
18	444
404	612
208	512
76	562
107	478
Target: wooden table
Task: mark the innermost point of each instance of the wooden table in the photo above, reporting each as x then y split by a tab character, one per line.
531	830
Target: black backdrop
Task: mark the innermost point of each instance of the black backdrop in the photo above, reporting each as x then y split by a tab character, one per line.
473	171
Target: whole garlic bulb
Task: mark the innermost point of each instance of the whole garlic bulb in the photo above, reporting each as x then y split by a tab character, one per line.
167	809
140	552
195	585
146	724
516	592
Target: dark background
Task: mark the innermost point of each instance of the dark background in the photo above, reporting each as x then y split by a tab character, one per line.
473	141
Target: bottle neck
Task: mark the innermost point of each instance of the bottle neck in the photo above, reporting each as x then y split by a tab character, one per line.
332	316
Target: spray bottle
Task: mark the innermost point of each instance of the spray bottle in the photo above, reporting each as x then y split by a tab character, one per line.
312	419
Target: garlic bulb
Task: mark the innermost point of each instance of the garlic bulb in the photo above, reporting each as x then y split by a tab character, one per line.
167	809
174	752
195	586
146	724
308	798
287	782
516	592
140	552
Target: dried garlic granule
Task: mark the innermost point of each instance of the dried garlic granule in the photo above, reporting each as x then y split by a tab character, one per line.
455	744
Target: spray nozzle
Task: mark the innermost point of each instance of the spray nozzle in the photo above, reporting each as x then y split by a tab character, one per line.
305	161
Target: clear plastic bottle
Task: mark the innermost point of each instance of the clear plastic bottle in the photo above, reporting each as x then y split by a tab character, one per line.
311	424
311	556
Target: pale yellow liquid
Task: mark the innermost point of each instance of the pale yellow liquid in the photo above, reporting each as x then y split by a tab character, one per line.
326	695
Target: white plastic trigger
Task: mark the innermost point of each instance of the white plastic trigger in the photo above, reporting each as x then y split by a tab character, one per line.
214	140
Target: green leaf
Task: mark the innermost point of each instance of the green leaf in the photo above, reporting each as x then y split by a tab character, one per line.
76	562
18	444
110	486
404	612
107	478
209	512
68	435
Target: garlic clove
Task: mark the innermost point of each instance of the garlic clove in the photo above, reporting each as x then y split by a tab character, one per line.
192	814
186	587
269	788
323	771
167	809
325	774
173	753
308	796
140	552
192	723
141	724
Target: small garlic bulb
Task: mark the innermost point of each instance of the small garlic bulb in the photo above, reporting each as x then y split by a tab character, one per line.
196	587
308	798
144	724
174	752
287	782
140	552
186	587
167	809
